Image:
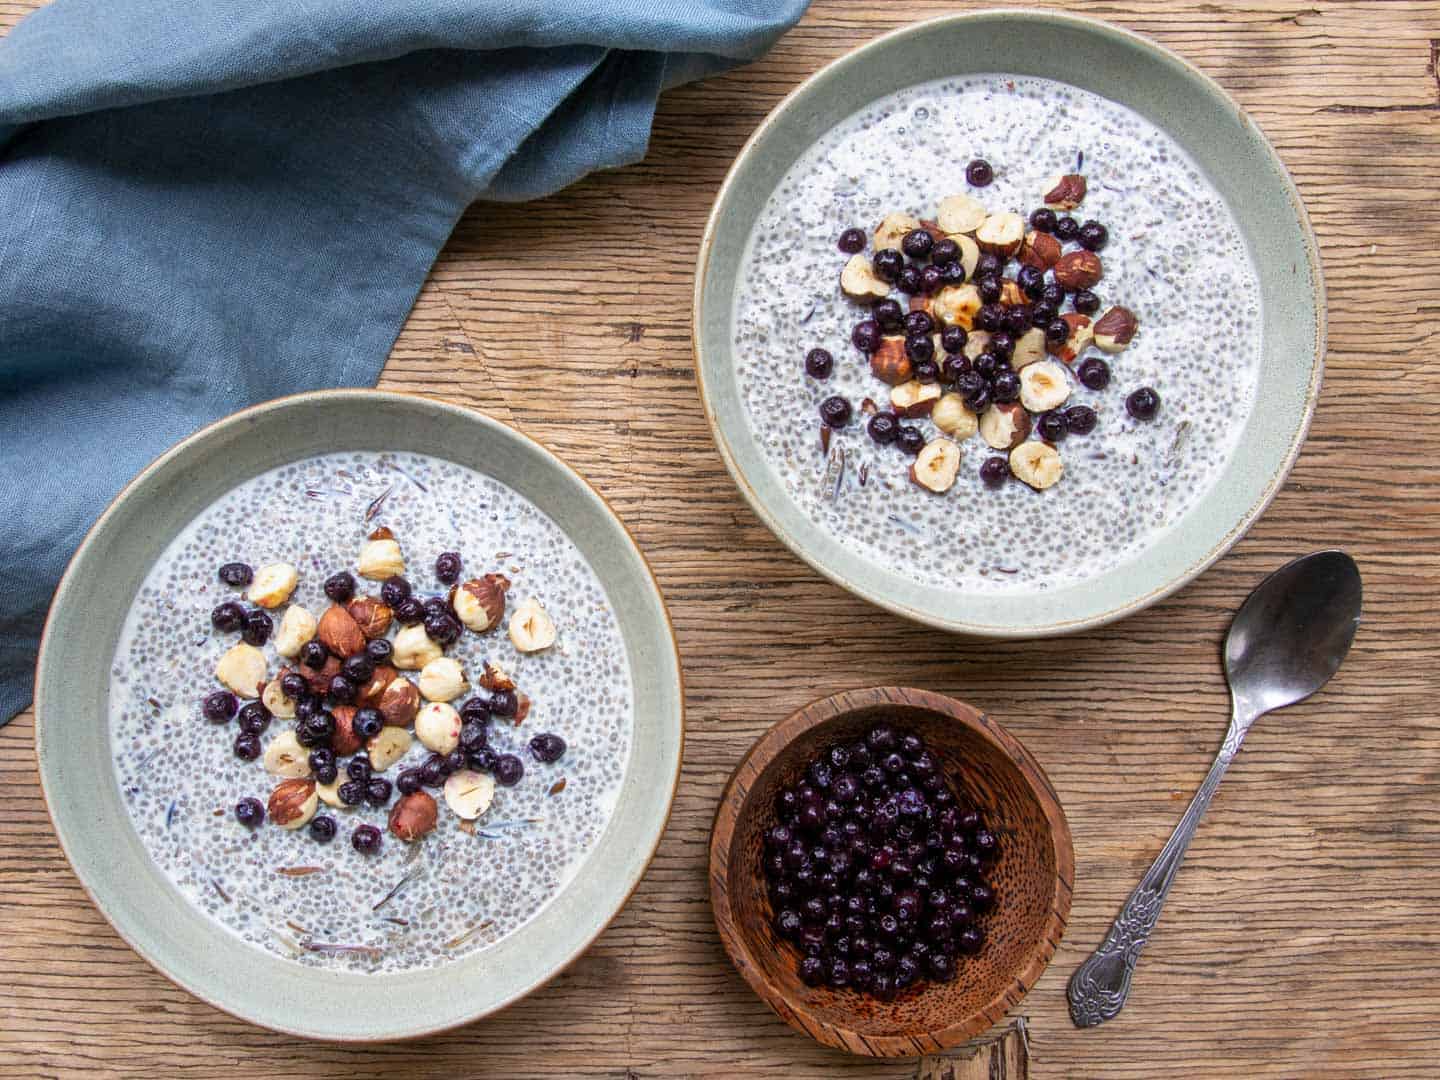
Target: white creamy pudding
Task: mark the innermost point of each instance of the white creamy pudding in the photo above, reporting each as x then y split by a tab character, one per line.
1174	257
464	885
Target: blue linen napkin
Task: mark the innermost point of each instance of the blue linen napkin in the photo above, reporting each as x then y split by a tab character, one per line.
205	204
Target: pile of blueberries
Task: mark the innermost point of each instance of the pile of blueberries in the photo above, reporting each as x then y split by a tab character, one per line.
315	726
989	377
875	871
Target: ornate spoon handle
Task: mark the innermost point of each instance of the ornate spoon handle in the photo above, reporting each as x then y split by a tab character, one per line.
1100	985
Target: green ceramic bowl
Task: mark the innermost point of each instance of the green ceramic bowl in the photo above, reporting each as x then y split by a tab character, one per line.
73	744
1217	134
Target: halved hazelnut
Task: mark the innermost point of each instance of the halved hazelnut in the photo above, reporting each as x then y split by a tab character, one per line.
273	585
956	305
914	398
969	253
531	628
388	747
1011	294
1078	270
274	699
413	816
469	793
286	757
400	703
889	363
859	281
1040	250
952	416
495	678
371	615
976	342
1005	425
1029	347
297	628
1115	329
892	230
1001	234
1043	386
936	466
1065	192
293	803
340	633
959	214
242	669
1037	464
1079	339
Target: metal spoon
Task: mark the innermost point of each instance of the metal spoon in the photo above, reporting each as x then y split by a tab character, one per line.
1285	642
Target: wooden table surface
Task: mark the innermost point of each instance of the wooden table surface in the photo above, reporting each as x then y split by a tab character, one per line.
1300	939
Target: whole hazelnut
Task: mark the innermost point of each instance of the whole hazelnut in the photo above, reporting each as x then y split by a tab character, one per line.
292	803
1078	270
319	678
480	602
346	739
400	702
413	816
370	694
371	615
340	633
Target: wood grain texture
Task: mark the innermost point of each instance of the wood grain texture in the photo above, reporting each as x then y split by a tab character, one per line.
1004	1055
1300	939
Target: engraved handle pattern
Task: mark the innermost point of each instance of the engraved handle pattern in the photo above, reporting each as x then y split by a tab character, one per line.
1100	985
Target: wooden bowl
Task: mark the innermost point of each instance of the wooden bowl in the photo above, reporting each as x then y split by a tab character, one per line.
1033	875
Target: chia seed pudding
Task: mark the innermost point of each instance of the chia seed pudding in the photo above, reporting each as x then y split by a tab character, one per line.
1175	257
411	905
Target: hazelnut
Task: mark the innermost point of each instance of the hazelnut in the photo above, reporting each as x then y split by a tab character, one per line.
437	726
380	556
1078	270
936	466
522	706
1011	294
969	254
330	793
1029	347
346	739
286	757
952	416
368	697
1043	386
273	585
956	305
371	615
531	628
242	669
1081	335
413	816
1005	425
414	648
889	363
1065	192
1037	464
388	747
319	678
1040	250
296	629
340	633
469	793
495	678
1115	329
399	703
959	214
443	679
293	803
976	343
915	398
274	698
480	602
859	281
1001	234
892	230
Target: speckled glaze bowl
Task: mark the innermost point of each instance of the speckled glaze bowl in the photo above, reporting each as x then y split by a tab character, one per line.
73	743
1238	161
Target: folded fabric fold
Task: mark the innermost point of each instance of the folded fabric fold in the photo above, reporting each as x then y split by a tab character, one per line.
205	205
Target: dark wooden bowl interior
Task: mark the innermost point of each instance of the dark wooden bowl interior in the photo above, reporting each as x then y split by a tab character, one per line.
1032	876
